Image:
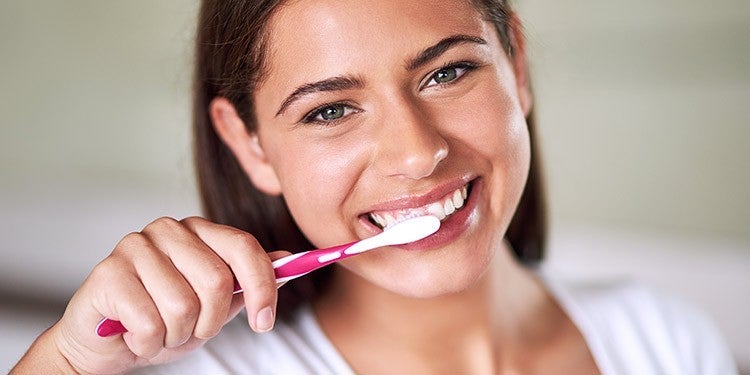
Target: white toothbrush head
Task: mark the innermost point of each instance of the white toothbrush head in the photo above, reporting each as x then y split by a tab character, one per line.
407	231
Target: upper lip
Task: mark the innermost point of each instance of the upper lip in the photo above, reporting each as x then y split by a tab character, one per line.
420	199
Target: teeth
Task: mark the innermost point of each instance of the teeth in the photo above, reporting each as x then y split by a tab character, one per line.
436	209
458	201
389	220
448	207
440	209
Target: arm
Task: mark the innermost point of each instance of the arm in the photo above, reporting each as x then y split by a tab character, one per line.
43	357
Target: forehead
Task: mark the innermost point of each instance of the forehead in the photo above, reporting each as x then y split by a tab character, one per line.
313	39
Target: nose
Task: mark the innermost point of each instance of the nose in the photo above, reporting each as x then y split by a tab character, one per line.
410	144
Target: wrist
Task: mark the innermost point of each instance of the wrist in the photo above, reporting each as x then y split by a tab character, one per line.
44	357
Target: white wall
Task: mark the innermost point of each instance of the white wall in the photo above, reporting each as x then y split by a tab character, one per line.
643	112
95	92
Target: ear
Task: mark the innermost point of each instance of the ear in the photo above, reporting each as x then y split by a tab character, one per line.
520	65
244	145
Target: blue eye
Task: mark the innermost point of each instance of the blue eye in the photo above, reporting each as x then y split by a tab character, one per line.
445	75
331	112
328	113
448	74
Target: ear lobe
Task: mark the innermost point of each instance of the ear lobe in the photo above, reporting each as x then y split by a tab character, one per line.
244	145
520	66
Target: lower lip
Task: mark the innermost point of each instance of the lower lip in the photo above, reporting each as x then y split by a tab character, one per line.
450	228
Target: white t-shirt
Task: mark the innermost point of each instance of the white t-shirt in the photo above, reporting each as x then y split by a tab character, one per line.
628	328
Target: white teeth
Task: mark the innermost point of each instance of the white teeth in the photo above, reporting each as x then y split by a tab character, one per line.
436	209
441	209
376	219
388	220
448	207
458	202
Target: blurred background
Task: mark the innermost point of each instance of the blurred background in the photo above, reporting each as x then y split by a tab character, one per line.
643	110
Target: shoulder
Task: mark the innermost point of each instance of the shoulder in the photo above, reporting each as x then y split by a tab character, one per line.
636	329
294	347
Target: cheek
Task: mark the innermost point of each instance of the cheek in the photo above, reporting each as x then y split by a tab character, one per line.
316	179
497	132
495	125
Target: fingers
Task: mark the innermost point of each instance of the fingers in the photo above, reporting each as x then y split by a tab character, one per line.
250	264
210	281
171	286
116	280
173	295
181	281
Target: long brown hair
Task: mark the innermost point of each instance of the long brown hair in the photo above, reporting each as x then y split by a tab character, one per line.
229	62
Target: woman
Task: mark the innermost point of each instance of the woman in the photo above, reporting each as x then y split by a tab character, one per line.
323	122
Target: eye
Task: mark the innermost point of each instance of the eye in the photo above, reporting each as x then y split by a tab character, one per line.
331	112
445	75
328	113
449	73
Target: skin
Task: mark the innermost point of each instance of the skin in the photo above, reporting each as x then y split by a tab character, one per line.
402	137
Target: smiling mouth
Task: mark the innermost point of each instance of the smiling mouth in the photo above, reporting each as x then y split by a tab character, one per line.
442	209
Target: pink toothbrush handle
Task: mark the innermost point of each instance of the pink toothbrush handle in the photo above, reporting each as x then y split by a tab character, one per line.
296	265
286	268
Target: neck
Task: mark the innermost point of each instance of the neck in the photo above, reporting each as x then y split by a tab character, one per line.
368	323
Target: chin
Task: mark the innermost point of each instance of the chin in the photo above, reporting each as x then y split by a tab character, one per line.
434	290
433	282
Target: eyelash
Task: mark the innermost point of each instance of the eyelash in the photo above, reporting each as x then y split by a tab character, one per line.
311	117
467	67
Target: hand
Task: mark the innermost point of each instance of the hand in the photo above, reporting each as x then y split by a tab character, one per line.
171	286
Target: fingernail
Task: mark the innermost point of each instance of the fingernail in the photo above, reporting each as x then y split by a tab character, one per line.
264	319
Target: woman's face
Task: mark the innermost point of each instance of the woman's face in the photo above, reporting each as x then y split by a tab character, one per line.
373	111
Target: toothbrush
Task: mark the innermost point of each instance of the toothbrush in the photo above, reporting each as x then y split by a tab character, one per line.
299	264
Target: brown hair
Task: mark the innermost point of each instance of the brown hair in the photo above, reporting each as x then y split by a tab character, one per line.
229	62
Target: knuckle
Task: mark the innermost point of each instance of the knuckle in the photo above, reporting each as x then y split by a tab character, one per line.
131	241
164	223
132	246
183	309
243	240
106	271
260	257
193	220
217	282
146	346
150	330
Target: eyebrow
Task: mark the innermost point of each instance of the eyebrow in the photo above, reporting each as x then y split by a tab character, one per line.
329	84
349	82
434	51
